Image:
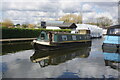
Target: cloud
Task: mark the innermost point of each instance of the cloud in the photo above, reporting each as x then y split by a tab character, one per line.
60	0
91	17
34	11
30	6
105	14
69	6
87	7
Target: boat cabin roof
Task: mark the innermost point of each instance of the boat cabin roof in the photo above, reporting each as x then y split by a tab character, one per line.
115	26
64	32
114	30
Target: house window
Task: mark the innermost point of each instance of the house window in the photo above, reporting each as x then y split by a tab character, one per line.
64	37
73	37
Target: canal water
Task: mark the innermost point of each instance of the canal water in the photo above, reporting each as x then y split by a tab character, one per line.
20	60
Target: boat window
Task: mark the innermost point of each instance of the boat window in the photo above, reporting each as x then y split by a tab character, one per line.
88	31
114	31
64	37
82	32
73	37
42	36
80	37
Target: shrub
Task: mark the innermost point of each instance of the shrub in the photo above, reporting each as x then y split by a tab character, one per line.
23	33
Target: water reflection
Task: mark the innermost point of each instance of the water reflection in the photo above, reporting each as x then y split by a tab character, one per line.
59	56
83	64
15	47
112	58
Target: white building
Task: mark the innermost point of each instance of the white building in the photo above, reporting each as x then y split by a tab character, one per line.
52	27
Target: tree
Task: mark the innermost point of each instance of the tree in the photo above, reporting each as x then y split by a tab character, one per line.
104	21
7	23
91	23
31	25
24	25
71	18
17	24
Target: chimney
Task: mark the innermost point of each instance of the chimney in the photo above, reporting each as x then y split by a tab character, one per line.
43	24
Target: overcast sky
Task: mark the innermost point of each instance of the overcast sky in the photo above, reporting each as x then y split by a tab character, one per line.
32	11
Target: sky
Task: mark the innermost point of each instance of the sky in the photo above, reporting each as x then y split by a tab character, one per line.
34	11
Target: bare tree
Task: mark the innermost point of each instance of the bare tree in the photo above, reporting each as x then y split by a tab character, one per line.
31	25
71	18
7	23
104	21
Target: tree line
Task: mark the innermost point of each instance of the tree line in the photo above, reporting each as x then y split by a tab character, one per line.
9	24
103	22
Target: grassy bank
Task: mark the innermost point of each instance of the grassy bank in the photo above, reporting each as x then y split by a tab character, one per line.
24	33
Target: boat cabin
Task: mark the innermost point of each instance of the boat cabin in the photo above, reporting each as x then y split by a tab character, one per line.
61	37
114	30
112	38
83	31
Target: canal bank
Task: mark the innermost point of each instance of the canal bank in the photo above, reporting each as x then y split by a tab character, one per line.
15	47
16	40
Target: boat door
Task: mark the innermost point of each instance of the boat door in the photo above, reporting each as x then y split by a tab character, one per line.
43	35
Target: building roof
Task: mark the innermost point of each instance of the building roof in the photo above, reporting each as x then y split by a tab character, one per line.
60	24
54	23
67	25
64	25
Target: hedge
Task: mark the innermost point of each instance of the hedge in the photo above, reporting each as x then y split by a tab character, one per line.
8	33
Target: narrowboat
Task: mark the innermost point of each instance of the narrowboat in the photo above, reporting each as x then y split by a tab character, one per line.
95	31
112	39
61	40
56	57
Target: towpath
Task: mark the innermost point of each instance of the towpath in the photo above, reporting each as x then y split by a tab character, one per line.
17	39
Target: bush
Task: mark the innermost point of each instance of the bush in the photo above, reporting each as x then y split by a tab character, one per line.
7	23
23	33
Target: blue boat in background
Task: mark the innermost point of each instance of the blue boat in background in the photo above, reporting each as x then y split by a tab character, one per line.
111	47
112	57
112	60
112	39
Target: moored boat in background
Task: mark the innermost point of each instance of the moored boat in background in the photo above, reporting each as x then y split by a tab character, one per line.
95	31
112	39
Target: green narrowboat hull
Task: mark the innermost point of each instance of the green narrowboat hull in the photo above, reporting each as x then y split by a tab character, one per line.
61	45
